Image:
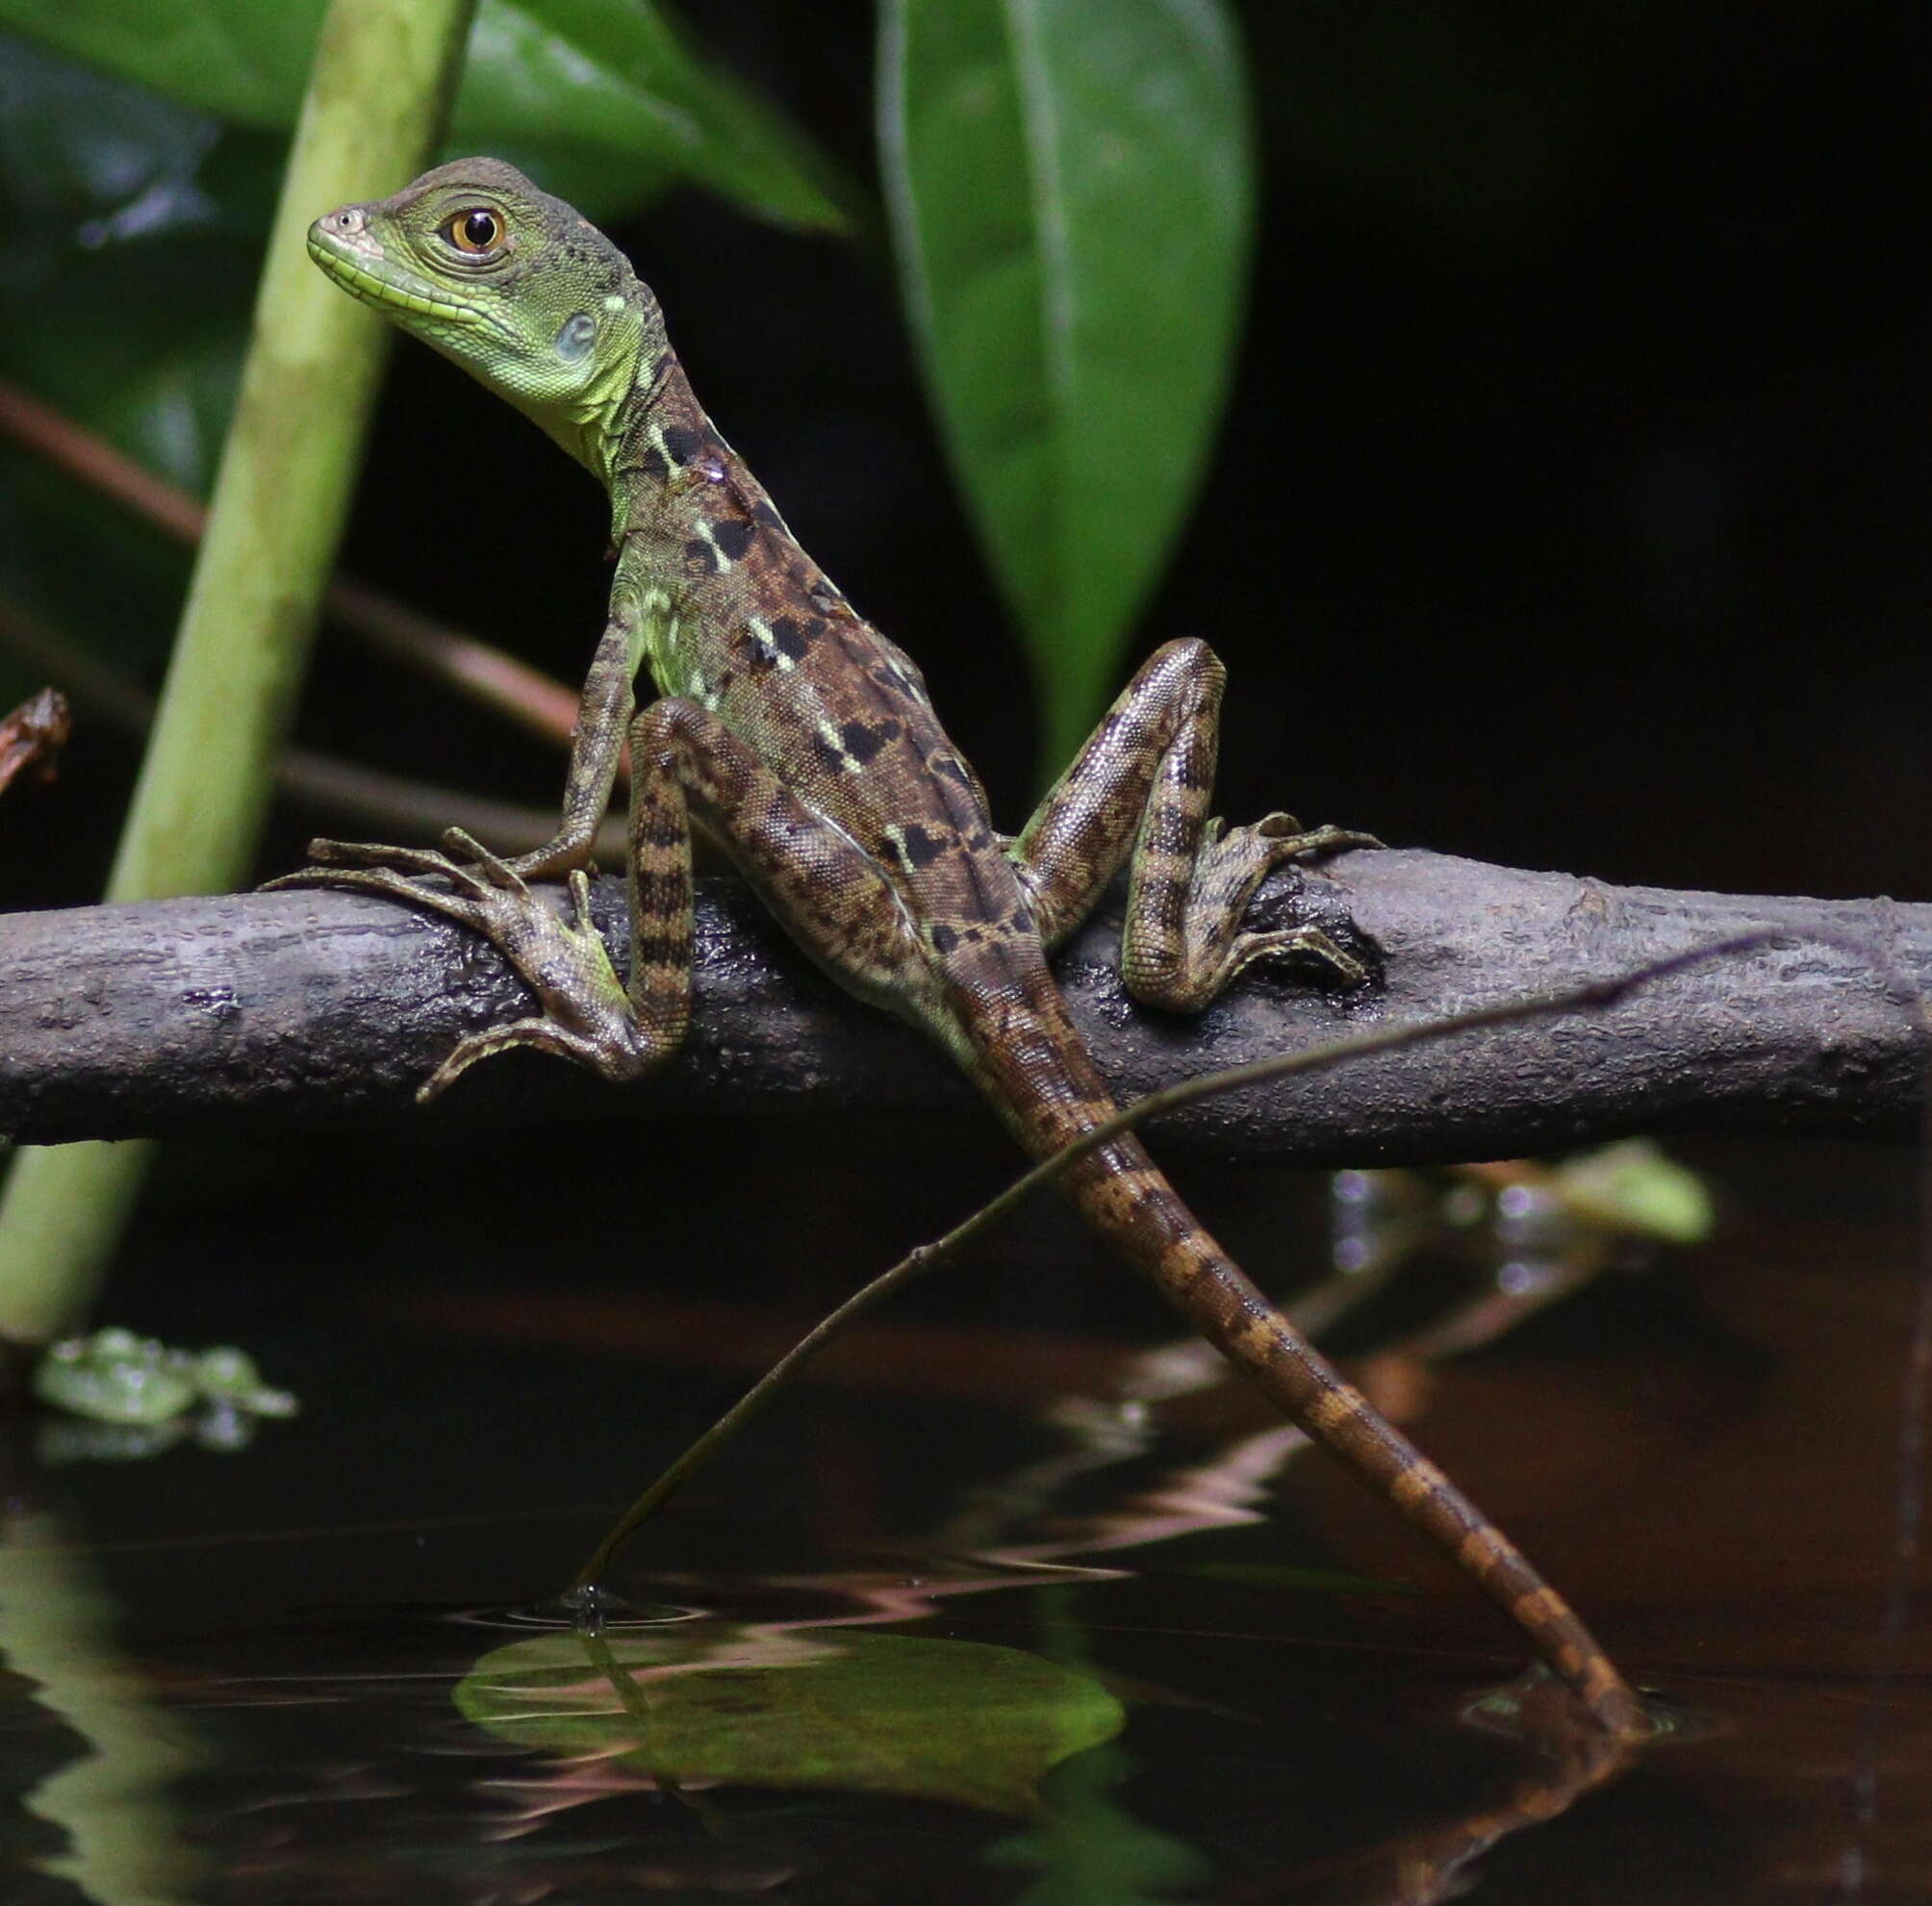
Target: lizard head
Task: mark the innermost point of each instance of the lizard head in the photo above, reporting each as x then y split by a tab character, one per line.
516	287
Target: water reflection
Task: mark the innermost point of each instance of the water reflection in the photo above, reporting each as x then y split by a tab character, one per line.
1304	1718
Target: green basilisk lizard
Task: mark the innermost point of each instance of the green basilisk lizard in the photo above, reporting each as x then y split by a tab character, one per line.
802	741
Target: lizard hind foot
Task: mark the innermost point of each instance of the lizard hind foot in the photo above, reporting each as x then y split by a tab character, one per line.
1289	840
1234	861
1195	968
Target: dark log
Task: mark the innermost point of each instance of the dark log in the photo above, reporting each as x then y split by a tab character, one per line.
254	1010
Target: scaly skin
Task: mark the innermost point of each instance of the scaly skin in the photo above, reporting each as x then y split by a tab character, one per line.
804	741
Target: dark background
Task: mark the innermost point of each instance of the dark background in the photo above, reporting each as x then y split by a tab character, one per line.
1569	511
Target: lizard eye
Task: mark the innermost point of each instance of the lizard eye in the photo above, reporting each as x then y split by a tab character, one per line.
478	229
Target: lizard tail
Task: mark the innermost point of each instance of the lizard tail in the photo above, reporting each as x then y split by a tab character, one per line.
1052	1097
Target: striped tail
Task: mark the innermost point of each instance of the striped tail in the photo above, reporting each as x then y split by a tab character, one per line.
1040	1080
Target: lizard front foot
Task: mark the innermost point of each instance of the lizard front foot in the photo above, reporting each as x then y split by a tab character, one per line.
585	1015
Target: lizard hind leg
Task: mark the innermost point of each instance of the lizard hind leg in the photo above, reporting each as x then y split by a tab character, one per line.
1140	791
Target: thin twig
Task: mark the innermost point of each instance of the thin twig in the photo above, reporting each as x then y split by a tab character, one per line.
486	675
414	809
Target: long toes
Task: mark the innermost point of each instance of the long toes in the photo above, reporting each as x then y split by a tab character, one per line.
367	853
1333	840
465	849
1287	840
477	1045
1276	827
1312	943
350	853
389	884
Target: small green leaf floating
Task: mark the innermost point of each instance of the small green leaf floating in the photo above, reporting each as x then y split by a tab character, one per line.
1071	194
881	1714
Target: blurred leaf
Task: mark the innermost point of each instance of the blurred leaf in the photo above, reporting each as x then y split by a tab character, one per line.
1635	1186
1092	1852
881	1713
1070	187
132	233
613	76
604	77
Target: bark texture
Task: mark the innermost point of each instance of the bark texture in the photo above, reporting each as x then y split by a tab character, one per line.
252	1011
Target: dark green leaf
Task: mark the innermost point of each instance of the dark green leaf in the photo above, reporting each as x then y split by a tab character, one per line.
134	229
608	77
712	1702
1070	193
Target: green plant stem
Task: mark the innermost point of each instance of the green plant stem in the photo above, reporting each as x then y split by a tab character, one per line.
378	97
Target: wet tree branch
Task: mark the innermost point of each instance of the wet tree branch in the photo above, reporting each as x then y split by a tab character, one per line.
254	1010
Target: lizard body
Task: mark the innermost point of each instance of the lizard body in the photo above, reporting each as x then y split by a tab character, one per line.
805	743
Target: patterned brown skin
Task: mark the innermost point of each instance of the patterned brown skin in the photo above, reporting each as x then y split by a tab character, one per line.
804	742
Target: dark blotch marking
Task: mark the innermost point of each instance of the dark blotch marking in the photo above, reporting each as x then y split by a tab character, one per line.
700	557
680	442
791	637
827	753
666	833
733	537
944	938
1019	920
670	950
660	890
654	464
951	765
762	512
918	847
863	740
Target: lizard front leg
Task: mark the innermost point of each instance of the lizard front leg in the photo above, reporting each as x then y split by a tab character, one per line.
595	744
1141	787
685	765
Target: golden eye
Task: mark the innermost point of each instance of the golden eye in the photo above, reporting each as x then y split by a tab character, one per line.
479	229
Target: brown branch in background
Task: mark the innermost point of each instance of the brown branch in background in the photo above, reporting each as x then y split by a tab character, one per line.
316	1008
415	810
32	737
485	675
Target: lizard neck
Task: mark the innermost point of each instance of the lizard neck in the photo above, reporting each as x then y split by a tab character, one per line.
632	357
660	451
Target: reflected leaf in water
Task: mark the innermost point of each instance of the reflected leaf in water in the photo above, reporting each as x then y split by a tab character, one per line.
963	1721
1092	1852
1635	1186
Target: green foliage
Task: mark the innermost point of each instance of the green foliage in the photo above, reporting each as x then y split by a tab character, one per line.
609	81
1069	197
705	1703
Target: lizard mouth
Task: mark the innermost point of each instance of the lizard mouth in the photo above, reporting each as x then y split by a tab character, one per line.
364	273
